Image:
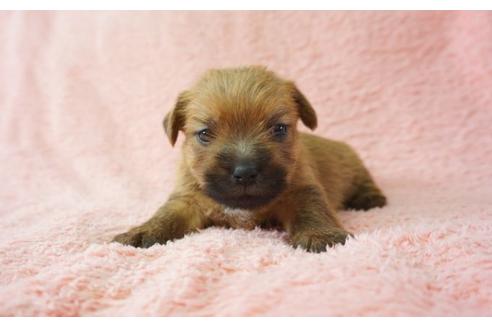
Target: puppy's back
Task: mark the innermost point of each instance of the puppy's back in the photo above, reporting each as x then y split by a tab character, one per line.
335	164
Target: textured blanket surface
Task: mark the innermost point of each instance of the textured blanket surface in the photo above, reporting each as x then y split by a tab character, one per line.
84	157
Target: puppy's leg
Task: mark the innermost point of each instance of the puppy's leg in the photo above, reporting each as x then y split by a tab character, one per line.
367	195
314	225
176	218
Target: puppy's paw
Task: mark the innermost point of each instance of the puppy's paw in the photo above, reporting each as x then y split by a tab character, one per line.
366	197
317	241
137	238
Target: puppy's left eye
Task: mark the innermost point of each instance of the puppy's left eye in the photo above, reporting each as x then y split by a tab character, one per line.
204	136
279	130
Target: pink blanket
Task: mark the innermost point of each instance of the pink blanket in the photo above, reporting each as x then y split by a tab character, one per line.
84	157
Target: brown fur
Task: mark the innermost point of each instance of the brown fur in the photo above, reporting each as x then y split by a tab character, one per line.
304	178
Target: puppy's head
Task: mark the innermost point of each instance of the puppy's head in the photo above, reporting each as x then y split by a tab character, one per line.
241	136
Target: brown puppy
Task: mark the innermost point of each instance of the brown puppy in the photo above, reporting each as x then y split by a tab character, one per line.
244	164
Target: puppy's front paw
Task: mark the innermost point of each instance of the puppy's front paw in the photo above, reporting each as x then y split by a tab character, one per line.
317	241
137	238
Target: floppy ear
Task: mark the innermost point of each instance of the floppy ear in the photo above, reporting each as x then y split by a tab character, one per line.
306	111
174	120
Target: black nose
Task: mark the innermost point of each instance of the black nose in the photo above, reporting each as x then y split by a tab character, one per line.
245	173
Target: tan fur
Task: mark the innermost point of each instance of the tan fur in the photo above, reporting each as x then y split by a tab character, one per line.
238	105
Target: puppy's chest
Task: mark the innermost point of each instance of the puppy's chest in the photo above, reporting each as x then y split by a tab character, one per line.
234	218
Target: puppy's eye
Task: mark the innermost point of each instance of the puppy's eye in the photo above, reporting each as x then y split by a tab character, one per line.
204	136
279	130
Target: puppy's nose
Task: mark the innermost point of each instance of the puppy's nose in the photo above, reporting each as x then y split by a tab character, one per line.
245	173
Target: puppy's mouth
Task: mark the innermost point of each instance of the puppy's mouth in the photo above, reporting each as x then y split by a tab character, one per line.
242	202
261	193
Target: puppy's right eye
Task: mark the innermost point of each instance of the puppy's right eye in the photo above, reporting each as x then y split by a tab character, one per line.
204	136
279	130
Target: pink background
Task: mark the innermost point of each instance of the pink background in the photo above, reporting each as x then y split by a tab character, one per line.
83	157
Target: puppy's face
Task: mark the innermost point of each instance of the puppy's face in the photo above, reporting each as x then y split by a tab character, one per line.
241	137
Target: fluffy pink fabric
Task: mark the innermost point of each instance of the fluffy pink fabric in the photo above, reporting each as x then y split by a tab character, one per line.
84	157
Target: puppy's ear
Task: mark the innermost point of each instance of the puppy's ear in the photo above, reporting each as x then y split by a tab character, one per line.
306	111
175	119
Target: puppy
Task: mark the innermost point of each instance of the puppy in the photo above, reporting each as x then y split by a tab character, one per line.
244	164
